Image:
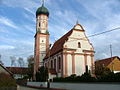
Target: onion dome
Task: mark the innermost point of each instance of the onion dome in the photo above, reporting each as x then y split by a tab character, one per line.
42	10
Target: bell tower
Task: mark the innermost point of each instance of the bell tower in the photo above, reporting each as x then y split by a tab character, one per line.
41	37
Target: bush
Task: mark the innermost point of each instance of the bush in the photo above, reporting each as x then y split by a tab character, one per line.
26	77
7	81
73	78
111	77
86	77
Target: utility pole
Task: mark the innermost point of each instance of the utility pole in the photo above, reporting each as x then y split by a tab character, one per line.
111	56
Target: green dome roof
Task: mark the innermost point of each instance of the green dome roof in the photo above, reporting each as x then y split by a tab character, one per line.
42	10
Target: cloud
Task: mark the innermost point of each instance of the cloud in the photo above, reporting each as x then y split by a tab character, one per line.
20	48
7	22
30	11
20	3
6	47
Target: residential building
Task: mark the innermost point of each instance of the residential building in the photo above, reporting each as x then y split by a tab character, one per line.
19	72
113	63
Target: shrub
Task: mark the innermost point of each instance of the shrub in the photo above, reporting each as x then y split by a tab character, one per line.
111	77
73	78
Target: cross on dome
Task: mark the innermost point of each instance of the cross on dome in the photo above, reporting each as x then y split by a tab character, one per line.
42	2
77	22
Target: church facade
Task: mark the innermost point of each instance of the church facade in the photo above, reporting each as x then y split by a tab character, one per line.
71	54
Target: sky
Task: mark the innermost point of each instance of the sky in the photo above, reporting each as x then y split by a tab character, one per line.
18	25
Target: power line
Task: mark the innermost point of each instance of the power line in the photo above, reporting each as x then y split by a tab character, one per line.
97	34
104	32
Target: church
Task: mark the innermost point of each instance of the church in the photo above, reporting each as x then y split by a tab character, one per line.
71	54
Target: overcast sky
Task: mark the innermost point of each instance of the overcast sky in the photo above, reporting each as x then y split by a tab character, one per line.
17	24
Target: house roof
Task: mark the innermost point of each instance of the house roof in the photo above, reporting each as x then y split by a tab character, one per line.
106	61
19	70
6	69
58	45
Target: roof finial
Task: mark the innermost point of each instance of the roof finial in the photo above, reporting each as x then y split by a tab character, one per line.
43	2
77	22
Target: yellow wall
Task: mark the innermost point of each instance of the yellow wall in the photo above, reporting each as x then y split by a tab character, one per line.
114	65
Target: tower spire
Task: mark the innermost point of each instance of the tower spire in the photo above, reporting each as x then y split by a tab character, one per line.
77	22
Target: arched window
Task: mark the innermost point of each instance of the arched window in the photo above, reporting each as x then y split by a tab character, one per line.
51	64
59	63
55	64
39	24
79	45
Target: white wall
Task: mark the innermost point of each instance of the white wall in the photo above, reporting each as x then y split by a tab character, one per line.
79	65
89	62
69	64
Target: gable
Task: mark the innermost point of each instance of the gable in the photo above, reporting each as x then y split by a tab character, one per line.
115	64
78	37
78	27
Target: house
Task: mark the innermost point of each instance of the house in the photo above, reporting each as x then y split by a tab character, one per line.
19	72
113	63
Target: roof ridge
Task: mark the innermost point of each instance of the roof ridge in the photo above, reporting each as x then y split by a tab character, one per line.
107	58
106	61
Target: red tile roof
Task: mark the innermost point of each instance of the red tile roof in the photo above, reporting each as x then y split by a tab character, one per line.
106	61
18	70
58	45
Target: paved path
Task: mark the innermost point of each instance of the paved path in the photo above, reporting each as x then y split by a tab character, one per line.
26	88
86	86
82	86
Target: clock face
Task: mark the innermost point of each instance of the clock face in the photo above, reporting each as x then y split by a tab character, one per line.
42	40
42	48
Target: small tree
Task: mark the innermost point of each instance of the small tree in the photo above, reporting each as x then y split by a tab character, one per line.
30	61
1	60
21	62
42	75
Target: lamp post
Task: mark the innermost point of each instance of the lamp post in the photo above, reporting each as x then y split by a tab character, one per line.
48	81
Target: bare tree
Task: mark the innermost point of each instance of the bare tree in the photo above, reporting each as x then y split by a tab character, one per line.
13	59
1	60
21	62
30	60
